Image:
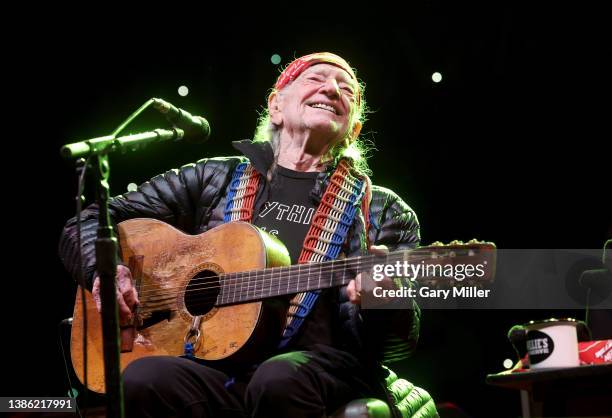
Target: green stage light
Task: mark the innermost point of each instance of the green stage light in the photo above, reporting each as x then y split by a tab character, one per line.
276	59
183	91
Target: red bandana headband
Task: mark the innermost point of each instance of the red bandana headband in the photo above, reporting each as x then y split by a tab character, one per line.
298	66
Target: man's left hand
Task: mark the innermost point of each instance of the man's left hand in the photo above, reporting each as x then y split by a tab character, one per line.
354	289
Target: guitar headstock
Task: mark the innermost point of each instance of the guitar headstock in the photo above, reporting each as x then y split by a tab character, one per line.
456	244
474	255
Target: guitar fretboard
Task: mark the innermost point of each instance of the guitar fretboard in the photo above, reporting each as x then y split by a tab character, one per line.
276	281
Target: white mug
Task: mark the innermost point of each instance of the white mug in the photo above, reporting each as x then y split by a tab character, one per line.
552	343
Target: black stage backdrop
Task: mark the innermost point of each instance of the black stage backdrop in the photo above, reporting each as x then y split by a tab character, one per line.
510	146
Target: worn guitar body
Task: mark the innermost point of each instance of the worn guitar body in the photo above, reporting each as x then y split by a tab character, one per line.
167	261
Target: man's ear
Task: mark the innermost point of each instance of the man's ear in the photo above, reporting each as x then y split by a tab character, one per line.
276	116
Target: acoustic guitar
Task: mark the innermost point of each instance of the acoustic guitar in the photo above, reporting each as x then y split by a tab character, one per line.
225	292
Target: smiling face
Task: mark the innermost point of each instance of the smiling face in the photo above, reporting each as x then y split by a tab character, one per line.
320	102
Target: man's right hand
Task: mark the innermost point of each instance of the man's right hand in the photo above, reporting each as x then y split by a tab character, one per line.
127	297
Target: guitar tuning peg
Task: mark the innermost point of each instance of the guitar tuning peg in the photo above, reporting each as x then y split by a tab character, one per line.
473	241
436	244
456	242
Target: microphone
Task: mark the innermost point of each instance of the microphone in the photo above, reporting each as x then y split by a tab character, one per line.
191	129
196	128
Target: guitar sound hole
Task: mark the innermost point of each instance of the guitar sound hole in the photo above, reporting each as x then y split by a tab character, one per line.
201	292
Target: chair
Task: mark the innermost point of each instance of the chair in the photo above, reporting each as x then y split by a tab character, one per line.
409	402
364	408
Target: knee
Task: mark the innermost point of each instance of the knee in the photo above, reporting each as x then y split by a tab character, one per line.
171	386
146	377
275	378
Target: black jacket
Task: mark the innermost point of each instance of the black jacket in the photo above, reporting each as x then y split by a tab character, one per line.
193	199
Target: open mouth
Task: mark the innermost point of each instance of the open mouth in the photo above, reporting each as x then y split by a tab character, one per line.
324	107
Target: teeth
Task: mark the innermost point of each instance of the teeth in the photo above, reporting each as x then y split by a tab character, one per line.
324	106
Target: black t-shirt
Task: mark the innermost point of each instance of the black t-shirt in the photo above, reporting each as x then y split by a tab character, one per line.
289	210
287	214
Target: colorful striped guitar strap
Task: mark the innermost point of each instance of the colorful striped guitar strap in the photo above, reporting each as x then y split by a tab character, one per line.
241	195
327	232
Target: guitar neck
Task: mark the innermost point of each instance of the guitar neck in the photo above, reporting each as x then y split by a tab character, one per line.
255	285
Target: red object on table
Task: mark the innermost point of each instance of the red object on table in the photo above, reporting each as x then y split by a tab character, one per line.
595	352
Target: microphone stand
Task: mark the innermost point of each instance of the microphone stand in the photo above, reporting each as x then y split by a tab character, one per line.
106	262
106	243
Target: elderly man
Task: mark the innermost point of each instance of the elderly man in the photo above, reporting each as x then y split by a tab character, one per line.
307	175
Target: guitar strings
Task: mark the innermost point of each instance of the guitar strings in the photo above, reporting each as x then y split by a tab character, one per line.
257	275
261	275
247	280
252	285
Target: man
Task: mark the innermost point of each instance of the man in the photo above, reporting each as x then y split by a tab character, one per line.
308	176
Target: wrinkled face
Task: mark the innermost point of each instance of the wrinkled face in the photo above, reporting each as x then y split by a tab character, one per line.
321	100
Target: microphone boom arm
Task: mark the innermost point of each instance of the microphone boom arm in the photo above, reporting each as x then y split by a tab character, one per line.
107	144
